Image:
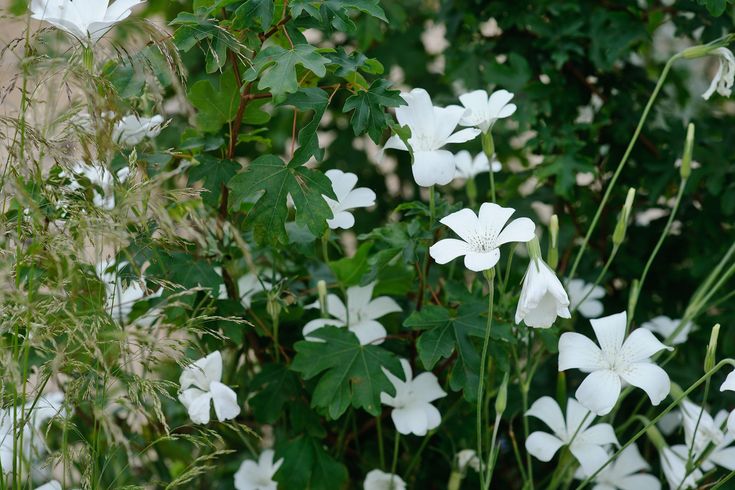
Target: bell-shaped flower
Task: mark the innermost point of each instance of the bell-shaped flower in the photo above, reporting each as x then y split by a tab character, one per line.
617	359
359	316
708	435
431	128
343	184
624	473
725	76
201	383
542	296
729	385
665	327
87	20
674	466
258	476
380	480
586	442
468	167
585	298
132	129
480	236
121	297
413	412
482	110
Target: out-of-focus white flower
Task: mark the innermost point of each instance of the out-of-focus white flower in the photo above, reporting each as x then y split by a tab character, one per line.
624	473
360	316
87	20
431	129
380	480
100	178
248	286
616	359
482	110
132	129
729	385
708	437
481	235
542	296
434	38
343	184
588	305
725	76
467	458
468	167
201	384
669	422
120	298
674	466
258	476
665	327
52	485
588	445
412	411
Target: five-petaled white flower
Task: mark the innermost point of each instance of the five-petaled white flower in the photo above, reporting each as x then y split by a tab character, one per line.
468	167
542	297
431	129
258	476
729	385
201	384
413	412
665	327
624	473
132	129
482	110
380	480
481	236
616	359
586	442
100	178
360	316
708	436
343	184
674	466
725	76
87	20
585	298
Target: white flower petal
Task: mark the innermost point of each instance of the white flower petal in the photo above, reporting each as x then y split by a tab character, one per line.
446	250
610	331
518	230
599	391
479	261
650	378
543	446
197	406
342	219
369	332
590	456
463	135
225	401
599	435
639	482
433	167
548	411
729	383
578	352
463	222
492	218
640	345
382	306
426	387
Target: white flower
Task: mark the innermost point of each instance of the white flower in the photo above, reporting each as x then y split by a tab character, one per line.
709	437
343	184
380	480
612	362
52	485
468	167
586	443
100	178
413	412
87	20
624	473
481	236
132	129
201	384
120	298
258	476
669	422
431	129
482	110
248	286
729	385
591	307
360	316
725	76
673	464
467	458
542	297
665	326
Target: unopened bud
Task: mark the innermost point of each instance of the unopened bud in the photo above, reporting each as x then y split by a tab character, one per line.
501	401
710	358
697	51
633	297
622	224
552	257
488	146
686	160
321	287
273	306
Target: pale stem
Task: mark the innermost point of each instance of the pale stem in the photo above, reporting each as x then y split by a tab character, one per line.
490	276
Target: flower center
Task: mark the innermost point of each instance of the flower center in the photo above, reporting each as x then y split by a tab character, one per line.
421	142
484	241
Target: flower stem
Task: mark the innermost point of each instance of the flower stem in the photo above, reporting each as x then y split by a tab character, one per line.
490	276
488	146
394	464
381	448
492	456
622	163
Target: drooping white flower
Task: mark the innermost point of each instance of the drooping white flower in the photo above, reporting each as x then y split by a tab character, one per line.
481	236
615	360
343	184
468	167
482	110
101	180
542	297
201	384
121	298
258	476
674	466
431	128
132	129
624	473
412	411
380	480
360	316
725	76
588	305
665	327
708	436
87	20
729	385
586	442
467	458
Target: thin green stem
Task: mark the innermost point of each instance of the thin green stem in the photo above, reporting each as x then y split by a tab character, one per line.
394	464
490	276
381	447
492	456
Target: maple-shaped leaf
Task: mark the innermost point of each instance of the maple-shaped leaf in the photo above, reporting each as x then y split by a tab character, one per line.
369	114
278	67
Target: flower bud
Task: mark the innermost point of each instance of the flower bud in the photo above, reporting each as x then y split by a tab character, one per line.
553	255
622	224
710	358
321	287
273	306
686	160
488	146
633	297
697	51
676	391
501	401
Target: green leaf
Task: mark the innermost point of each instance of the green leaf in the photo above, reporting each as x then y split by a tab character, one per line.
369	114
352	374
214	41
278	67
306	464
216	106
213	173
275	385
337	12
314	99
715	7
349	270
254	13
268	181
